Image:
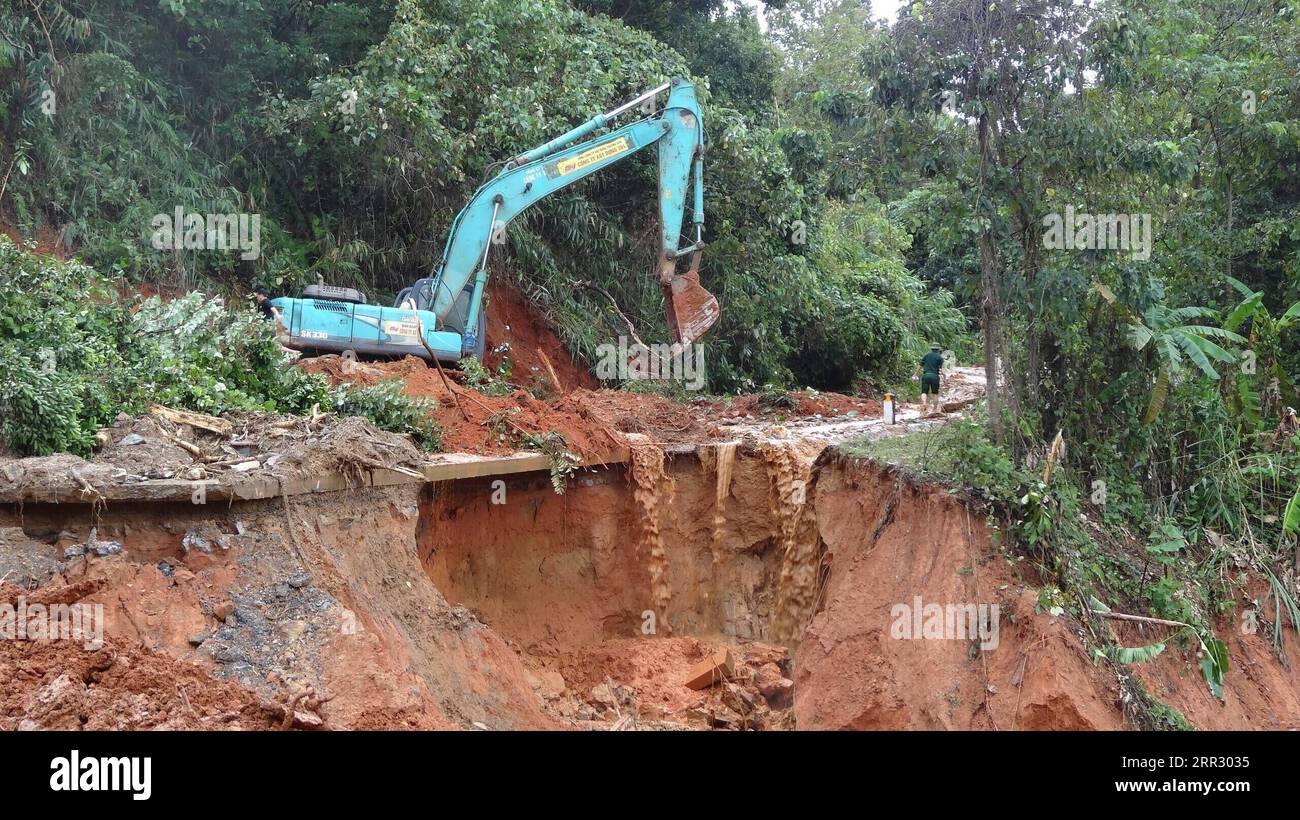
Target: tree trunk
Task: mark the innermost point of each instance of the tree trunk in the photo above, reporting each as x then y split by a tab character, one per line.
989	303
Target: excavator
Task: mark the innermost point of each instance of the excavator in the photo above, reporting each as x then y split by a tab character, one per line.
442	315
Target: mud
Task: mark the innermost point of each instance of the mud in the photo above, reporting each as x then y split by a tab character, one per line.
539	361
496	602
652	491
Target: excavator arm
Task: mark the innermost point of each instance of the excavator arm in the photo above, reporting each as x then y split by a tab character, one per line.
533	175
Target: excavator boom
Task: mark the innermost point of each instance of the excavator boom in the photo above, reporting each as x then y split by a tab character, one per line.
441	316
677	130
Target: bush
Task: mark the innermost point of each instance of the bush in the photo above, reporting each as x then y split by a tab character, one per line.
388	409
76	354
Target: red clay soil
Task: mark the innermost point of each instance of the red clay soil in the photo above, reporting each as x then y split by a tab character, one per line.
536	353
122	685
592	422
320	594
475	423
662	420
1259	691
888	541
47	240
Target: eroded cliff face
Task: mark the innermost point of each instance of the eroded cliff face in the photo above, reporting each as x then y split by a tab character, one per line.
456	605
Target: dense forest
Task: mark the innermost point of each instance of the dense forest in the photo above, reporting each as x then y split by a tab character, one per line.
1099	201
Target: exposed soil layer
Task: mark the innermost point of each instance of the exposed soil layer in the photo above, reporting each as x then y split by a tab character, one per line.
320	595
48	242
1259	691
888	541
496	602
538	358
798	403
592	422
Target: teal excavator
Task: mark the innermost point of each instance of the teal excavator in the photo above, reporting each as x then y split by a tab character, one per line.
441	315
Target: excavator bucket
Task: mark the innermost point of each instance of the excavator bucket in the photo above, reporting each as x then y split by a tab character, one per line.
692	310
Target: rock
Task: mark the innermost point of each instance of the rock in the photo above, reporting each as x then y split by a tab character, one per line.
760	653
307	720
603	694
223	610
293	629
548	683
299	580
725	718
193	541
74	551
712	670
738	698
198	639
771	683
103	548
230	655
131	439
625	695
58	704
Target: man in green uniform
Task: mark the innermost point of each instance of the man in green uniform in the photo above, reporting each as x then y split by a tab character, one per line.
931	367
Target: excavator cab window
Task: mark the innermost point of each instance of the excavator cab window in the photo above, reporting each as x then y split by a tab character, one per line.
422	293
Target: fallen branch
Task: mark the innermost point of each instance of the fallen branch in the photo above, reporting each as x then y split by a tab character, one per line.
201	420
446	382
183	444
1120	616
631	329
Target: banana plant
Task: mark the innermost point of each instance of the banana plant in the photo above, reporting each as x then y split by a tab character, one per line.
1265	332
1176	339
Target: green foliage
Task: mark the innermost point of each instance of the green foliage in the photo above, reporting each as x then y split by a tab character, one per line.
563	463
478	377
79	354
358	129
388	409
1138	654
1291	515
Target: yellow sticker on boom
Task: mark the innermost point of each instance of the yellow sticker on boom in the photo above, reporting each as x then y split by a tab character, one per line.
591	156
